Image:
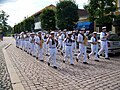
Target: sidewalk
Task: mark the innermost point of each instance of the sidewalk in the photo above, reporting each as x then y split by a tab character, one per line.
36	75
5	82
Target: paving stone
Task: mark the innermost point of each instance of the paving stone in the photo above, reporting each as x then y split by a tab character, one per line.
5	82
38	75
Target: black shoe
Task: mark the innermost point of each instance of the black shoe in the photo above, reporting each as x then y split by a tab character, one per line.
55	67
42	60
48	64
72	64
47	55
107	58
61	53
88	57
98	56
85	63
63	61
76	59
97	60
36	57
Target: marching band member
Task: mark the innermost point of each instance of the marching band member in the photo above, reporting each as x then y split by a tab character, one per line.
82	39
104	44
94	46
26	42
68	48
63	43
45	45
36	46
23	41
32	44
60	41
52	49
74	42
16	39
39	42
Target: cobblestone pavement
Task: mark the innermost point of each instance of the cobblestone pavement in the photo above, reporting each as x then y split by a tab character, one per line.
5	83
36	75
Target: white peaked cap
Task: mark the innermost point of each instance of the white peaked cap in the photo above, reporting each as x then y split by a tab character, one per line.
82	29
94	32
103	28
69	33
32	33
52	32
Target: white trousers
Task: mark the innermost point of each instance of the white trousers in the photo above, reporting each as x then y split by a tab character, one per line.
68	52
82	49
63	49
94	50
74	45
104	46
40	53
45	46
60	44
32	49
52	56
36	50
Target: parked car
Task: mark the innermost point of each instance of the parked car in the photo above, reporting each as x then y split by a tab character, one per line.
113	43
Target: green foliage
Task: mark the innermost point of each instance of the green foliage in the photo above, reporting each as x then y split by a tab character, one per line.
100	10
26	25
66	14
47	18
3	21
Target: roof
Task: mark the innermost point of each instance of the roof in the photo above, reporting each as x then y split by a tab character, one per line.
82	12
50	6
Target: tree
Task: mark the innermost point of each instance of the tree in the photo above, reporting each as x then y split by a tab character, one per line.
3	21
101	11
66	14
29	24
26	25
47	18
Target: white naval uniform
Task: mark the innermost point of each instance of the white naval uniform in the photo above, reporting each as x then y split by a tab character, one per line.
60	42
82	47
68	50
53	51
29	46
16	38
94	48
19	41
63	43
23	42
74	43
104	44
36	47
32	46
40	50
26	43
45	46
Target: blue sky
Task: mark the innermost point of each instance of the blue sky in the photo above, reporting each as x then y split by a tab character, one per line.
18	9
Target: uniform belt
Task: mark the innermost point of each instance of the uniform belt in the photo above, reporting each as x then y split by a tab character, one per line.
103	40
68	45
52	47
94	44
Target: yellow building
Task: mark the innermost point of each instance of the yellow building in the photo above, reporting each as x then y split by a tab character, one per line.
118	7
116	23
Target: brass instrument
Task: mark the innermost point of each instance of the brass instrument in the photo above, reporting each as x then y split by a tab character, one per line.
33	40
41	43
85	41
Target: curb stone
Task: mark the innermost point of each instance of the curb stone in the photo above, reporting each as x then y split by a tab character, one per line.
15	80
